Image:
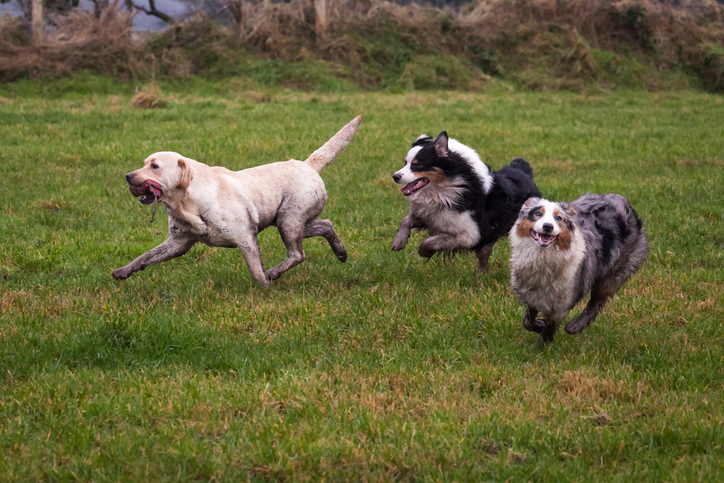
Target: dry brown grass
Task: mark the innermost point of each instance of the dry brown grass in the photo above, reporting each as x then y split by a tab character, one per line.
546	42
78	40
506	34
150	97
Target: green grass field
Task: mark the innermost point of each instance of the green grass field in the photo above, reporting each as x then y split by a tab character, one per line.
385	368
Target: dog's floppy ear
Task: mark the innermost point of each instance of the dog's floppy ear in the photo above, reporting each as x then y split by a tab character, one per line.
441	145
570	213
532	201
186	175
525	209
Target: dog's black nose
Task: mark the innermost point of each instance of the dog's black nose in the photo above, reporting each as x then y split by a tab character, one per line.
396	177
129	177
547	227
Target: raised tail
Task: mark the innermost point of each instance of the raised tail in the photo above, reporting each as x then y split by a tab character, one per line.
326	154
522	165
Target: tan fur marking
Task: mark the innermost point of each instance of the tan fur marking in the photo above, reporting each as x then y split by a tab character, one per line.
564	237
525	227
436	175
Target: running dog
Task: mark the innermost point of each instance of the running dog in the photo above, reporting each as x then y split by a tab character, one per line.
458	199
561	252
223	208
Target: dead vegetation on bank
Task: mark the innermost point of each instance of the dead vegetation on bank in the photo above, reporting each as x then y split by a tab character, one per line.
76	41
536	44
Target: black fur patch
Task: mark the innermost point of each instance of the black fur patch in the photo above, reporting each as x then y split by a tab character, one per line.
423	141
623	229
608	239
496	211
533	214
454	167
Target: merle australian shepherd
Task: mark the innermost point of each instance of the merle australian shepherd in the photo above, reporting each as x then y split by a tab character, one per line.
561	252
458	199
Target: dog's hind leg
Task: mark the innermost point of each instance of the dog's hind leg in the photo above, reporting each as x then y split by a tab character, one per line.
599	296
600	293
249	247
483	255
292	236
167	250
606	288
325	229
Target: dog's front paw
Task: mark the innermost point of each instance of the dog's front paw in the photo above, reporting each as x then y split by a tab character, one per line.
270	275
400	243
121	273
536	325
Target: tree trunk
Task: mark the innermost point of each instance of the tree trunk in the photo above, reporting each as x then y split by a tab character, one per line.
38	22
236	8
320	20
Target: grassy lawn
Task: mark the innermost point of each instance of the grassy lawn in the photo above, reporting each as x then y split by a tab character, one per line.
387	367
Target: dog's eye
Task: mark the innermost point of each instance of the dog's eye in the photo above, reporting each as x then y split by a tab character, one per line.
559	218
154	166
414	161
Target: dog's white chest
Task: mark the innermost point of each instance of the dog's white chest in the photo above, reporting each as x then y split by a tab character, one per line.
460	224
203	230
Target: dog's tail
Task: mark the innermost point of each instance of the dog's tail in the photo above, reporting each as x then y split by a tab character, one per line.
522	165
326	154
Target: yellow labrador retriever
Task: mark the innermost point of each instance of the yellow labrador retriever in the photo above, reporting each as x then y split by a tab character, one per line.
224	208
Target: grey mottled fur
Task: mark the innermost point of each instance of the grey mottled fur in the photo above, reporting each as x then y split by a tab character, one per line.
608	243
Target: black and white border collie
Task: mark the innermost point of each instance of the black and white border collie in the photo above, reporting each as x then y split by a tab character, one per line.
458	199
561	252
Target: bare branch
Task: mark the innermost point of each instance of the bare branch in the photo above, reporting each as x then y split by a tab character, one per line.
152	11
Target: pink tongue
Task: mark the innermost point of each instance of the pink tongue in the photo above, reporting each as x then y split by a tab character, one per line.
410	186
154	188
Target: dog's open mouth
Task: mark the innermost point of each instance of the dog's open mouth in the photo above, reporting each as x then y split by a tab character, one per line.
541	239
416	185
147	191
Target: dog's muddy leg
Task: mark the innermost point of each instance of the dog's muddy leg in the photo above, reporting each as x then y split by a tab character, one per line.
549	331
167	250
483	255
403	234
600	293
292	237
531	323
249	247
325	229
